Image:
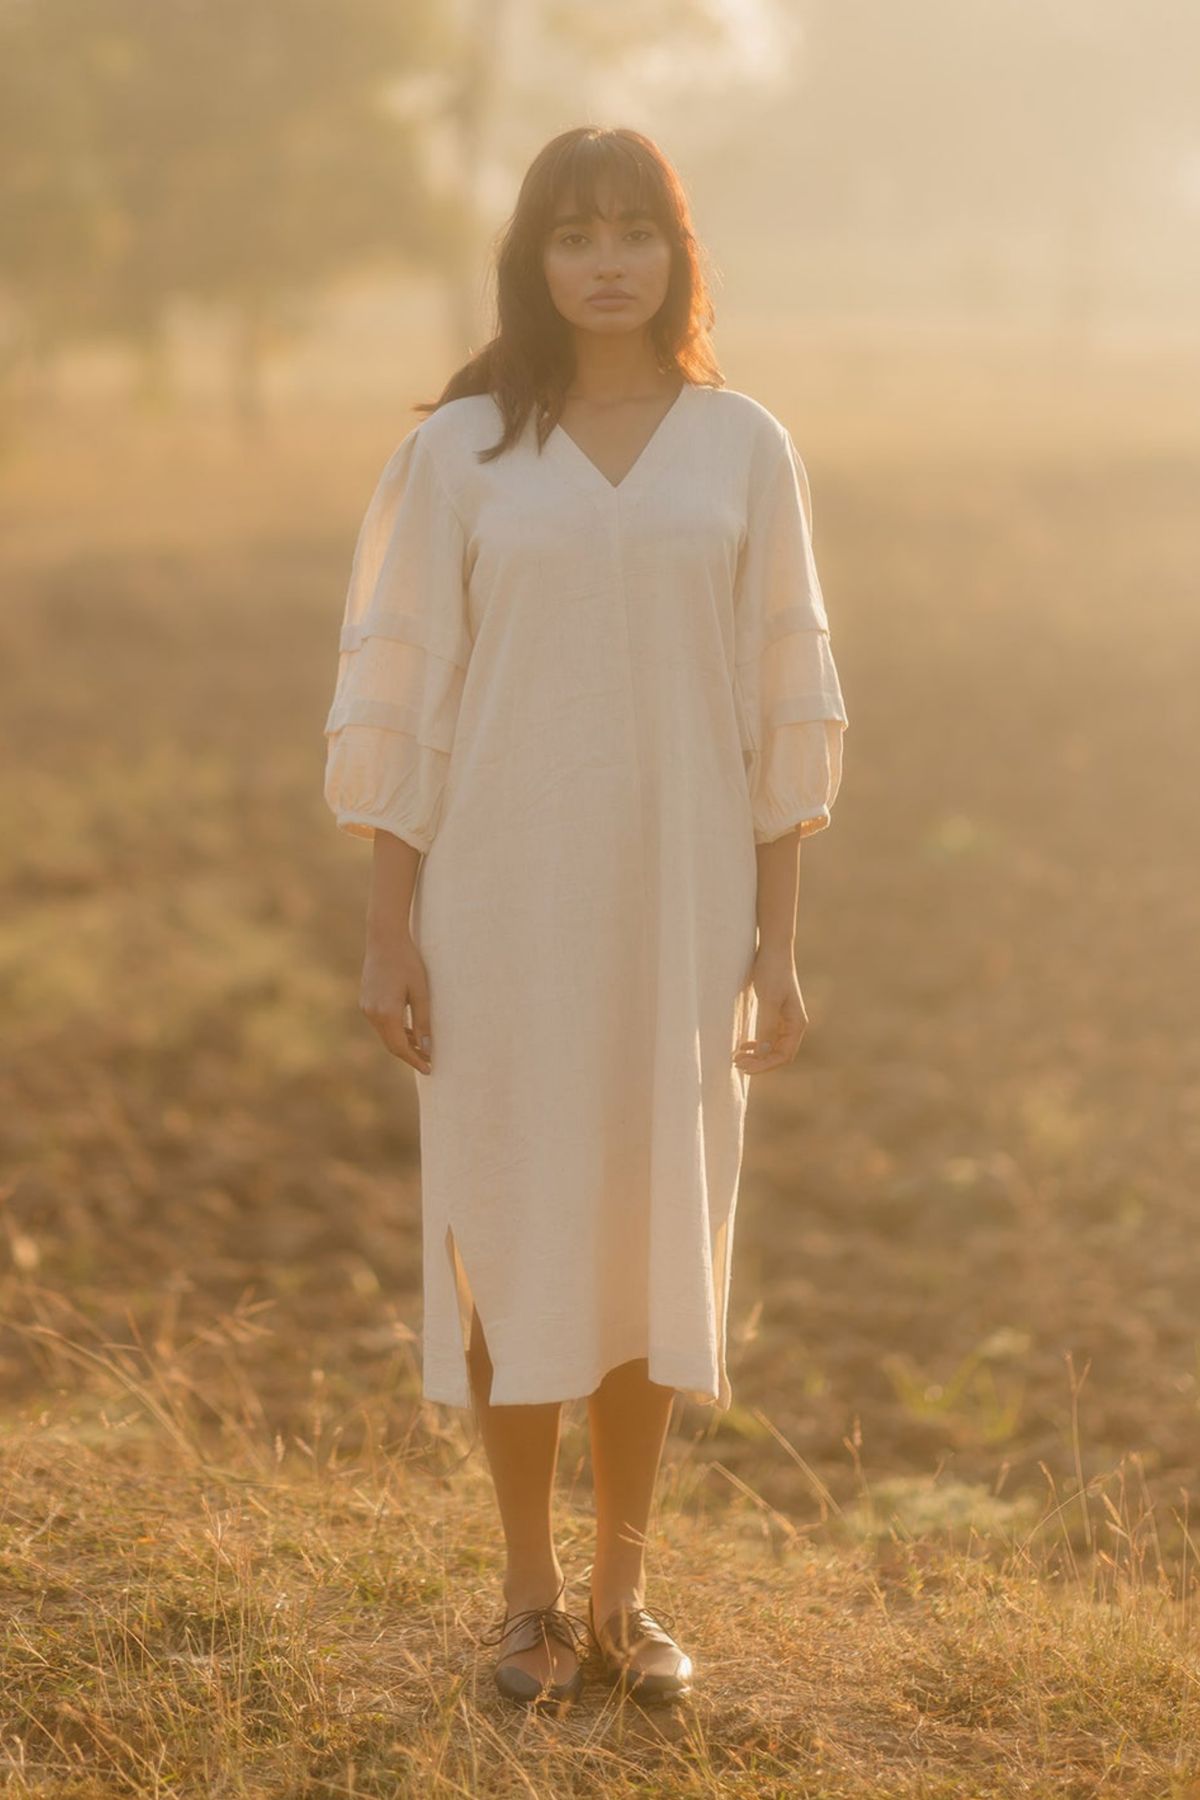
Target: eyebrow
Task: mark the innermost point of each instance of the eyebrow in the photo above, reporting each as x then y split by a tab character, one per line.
578	218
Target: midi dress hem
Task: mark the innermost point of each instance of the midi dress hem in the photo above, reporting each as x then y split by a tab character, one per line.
667	1368
446	1379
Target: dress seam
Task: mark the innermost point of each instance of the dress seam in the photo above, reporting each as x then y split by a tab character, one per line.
447	494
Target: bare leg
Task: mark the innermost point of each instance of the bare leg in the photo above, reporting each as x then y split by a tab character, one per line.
521	1443
629	1416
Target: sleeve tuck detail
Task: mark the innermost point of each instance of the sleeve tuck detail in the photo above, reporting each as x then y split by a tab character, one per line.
403	654
790	708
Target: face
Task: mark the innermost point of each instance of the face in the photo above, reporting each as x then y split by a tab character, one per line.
608	273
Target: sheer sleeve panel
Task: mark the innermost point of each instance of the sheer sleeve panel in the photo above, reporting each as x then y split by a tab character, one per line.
403	655
790	705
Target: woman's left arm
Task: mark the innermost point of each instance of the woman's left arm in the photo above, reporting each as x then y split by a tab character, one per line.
781	1016
792	716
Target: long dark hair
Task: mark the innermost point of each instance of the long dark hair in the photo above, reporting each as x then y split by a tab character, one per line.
528	365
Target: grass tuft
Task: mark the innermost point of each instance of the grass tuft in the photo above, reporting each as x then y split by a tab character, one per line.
194	1607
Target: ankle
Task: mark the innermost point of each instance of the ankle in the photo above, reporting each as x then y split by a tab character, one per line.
608	1595
526	1588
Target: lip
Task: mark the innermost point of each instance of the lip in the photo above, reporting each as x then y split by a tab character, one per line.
608	295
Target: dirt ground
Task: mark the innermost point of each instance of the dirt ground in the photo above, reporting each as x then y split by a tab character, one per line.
967	1259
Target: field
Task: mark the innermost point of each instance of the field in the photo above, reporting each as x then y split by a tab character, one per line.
952	1497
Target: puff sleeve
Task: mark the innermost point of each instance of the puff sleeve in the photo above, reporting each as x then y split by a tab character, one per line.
403	656
790	708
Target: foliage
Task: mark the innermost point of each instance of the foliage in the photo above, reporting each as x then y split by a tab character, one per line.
153	149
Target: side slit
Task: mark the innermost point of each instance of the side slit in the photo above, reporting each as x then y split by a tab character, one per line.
721	1267
463	1295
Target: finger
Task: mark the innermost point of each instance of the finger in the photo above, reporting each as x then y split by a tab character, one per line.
421	1028
393	1032
399	1042
757	1056
768	1021
766	1037
775	1056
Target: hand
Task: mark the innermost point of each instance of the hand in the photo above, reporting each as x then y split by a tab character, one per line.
393	982
782	1020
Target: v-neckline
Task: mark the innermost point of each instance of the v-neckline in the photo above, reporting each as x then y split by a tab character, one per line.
642	462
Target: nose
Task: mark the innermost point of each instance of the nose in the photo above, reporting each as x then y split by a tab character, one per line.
609	262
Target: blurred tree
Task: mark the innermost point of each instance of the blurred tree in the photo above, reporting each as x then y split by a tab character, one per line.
481	26
232	151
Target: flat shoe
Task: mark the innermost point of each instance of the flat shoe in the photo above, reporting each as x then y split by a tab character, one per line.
536	1629
612	1650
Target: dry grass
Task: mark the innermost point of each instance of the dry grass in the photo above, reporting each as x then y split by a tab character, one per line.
195	1609
951	1500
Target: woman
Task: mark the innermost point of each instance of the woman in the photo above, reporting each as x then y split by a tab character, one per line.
586	708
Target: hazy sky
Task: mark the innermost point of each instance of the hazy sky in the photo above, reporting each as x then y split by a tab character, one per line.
1017	141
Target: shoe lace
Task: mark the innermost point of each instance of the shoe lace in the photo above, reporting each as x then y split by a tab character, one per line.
553	1622
638	1622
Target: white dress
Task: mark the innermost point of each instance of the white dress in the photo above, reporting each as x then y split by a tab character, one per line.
586	703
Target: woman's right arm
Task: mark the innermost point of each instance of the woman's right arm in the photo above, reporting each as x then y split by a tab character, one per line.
393	977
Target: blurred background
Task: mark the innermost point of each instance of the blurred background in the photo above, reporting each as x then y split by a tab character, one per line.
955	249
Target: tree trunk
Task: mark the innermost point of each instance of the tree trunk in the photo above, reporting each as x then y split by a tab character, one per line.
481	82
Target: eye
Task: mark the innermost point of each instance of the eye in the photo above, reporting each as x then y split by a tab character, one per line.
641	231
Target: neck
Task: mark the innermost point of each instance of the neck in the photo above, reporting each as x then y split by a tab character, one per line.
616	368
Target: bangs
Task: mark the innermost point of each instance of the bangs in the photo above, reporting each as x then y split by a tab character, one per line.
608	170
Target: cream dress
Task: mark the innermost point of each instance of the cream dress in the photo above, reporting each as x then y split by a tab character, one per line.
586	703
